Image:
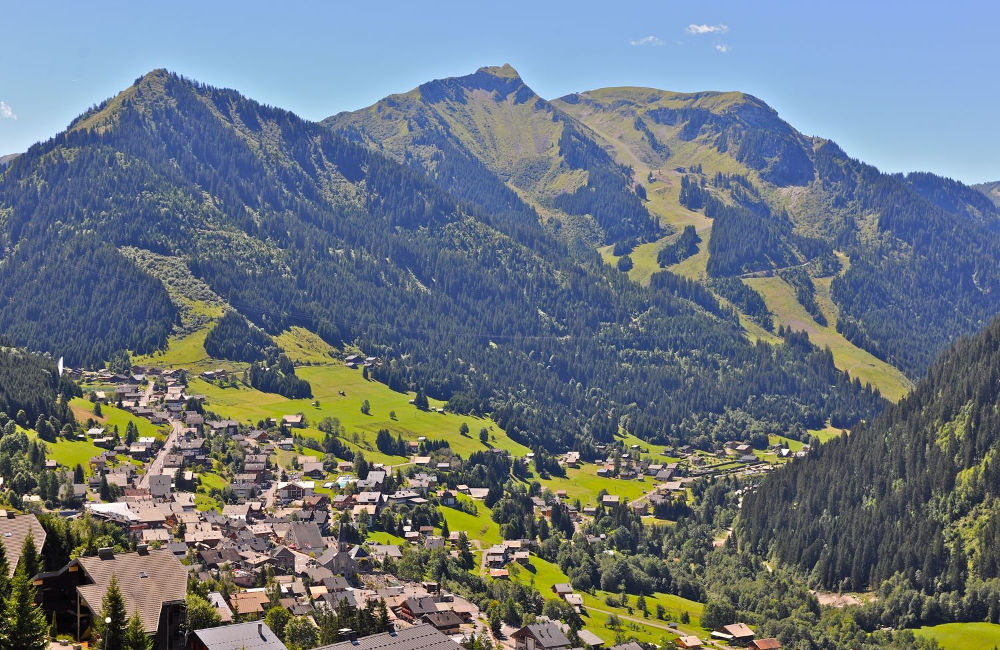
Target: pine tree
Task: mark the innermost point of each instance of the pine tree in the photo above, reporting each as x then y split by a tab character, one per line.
135	636
25	620
29	557
113	618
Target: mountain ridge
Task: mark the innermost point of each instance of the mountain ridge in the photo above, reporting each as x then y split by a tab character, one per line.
293	225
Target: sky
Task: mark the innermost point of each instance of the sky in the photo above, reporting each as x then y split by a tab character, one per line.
902	85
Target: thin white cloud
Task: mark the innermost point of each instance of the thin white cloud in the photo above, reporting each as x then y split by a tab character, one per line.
650	40
6	112
722	47
707	29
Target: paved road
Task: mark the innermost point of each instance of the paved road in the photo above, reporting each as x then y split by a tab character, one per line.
144	400
156	467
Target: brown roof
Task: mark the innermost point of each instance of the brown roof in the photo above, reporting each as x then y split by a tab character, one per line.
249	602
767	644
13	532
147	580
419	637
738	630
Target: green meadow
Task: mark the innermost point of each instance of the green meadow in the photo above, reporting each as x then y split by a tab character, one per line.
963	636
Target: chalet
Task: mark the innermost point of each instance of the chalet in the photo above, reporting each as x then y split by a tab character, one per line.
496	556
540	636
191	448
193	419
414	608
297	420
249	604
226	427
561	589
295	490
766	644
735	634
374	481
282	558
689	642
447	622
382	551
610	500
313	469
153	583
160	486
14	529
305	537
254	634
422	637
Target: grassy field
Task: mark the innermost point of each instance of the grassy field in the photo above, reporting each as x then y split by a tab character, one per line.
543	574
584	484
479	526
963	636
113	416
388	409
379	537
780	299
70	453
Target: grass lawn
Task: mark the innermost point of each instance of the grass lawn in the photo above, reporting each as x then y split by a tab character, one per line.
69	453
211	480
479	526
379	537
963	636
114	416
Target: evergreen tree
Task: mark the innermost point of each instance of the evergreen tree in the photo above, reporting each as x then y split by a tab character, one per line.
25	620
113	619
135	636
30	560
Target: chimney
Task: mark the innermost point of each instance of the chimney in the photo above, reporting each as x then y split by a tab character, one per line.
142	549
106	553
260	631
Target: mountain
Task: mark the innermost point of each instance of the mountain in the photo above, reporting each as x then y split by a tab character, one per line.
489	139
173	196
912	497
991	190
913	259
7	159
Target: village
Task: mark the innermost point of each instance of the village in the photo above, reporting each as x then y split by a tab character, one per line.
206	500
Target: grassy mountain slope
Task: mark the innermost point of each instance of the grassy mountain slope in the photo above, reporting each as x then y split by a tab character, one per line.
991	190
922	249
174	195
913	496
491	140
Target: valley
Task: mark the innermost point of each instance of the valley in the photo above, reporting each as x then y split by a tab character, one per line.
478	365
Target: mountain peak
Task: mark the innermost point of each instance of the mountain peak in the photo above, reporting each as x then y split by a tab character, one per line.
505	71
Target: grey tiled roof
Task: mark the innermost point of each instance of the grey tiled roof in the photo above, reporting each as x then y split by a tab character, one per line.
255	635
420	637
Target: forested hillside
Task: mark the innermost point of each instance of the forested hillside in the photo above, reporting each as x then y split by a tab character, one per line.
913	497
290	225
480	133
922	250
30	387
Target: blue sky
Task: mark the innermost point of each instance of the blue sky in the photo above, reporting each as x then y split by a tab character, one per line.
903	85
